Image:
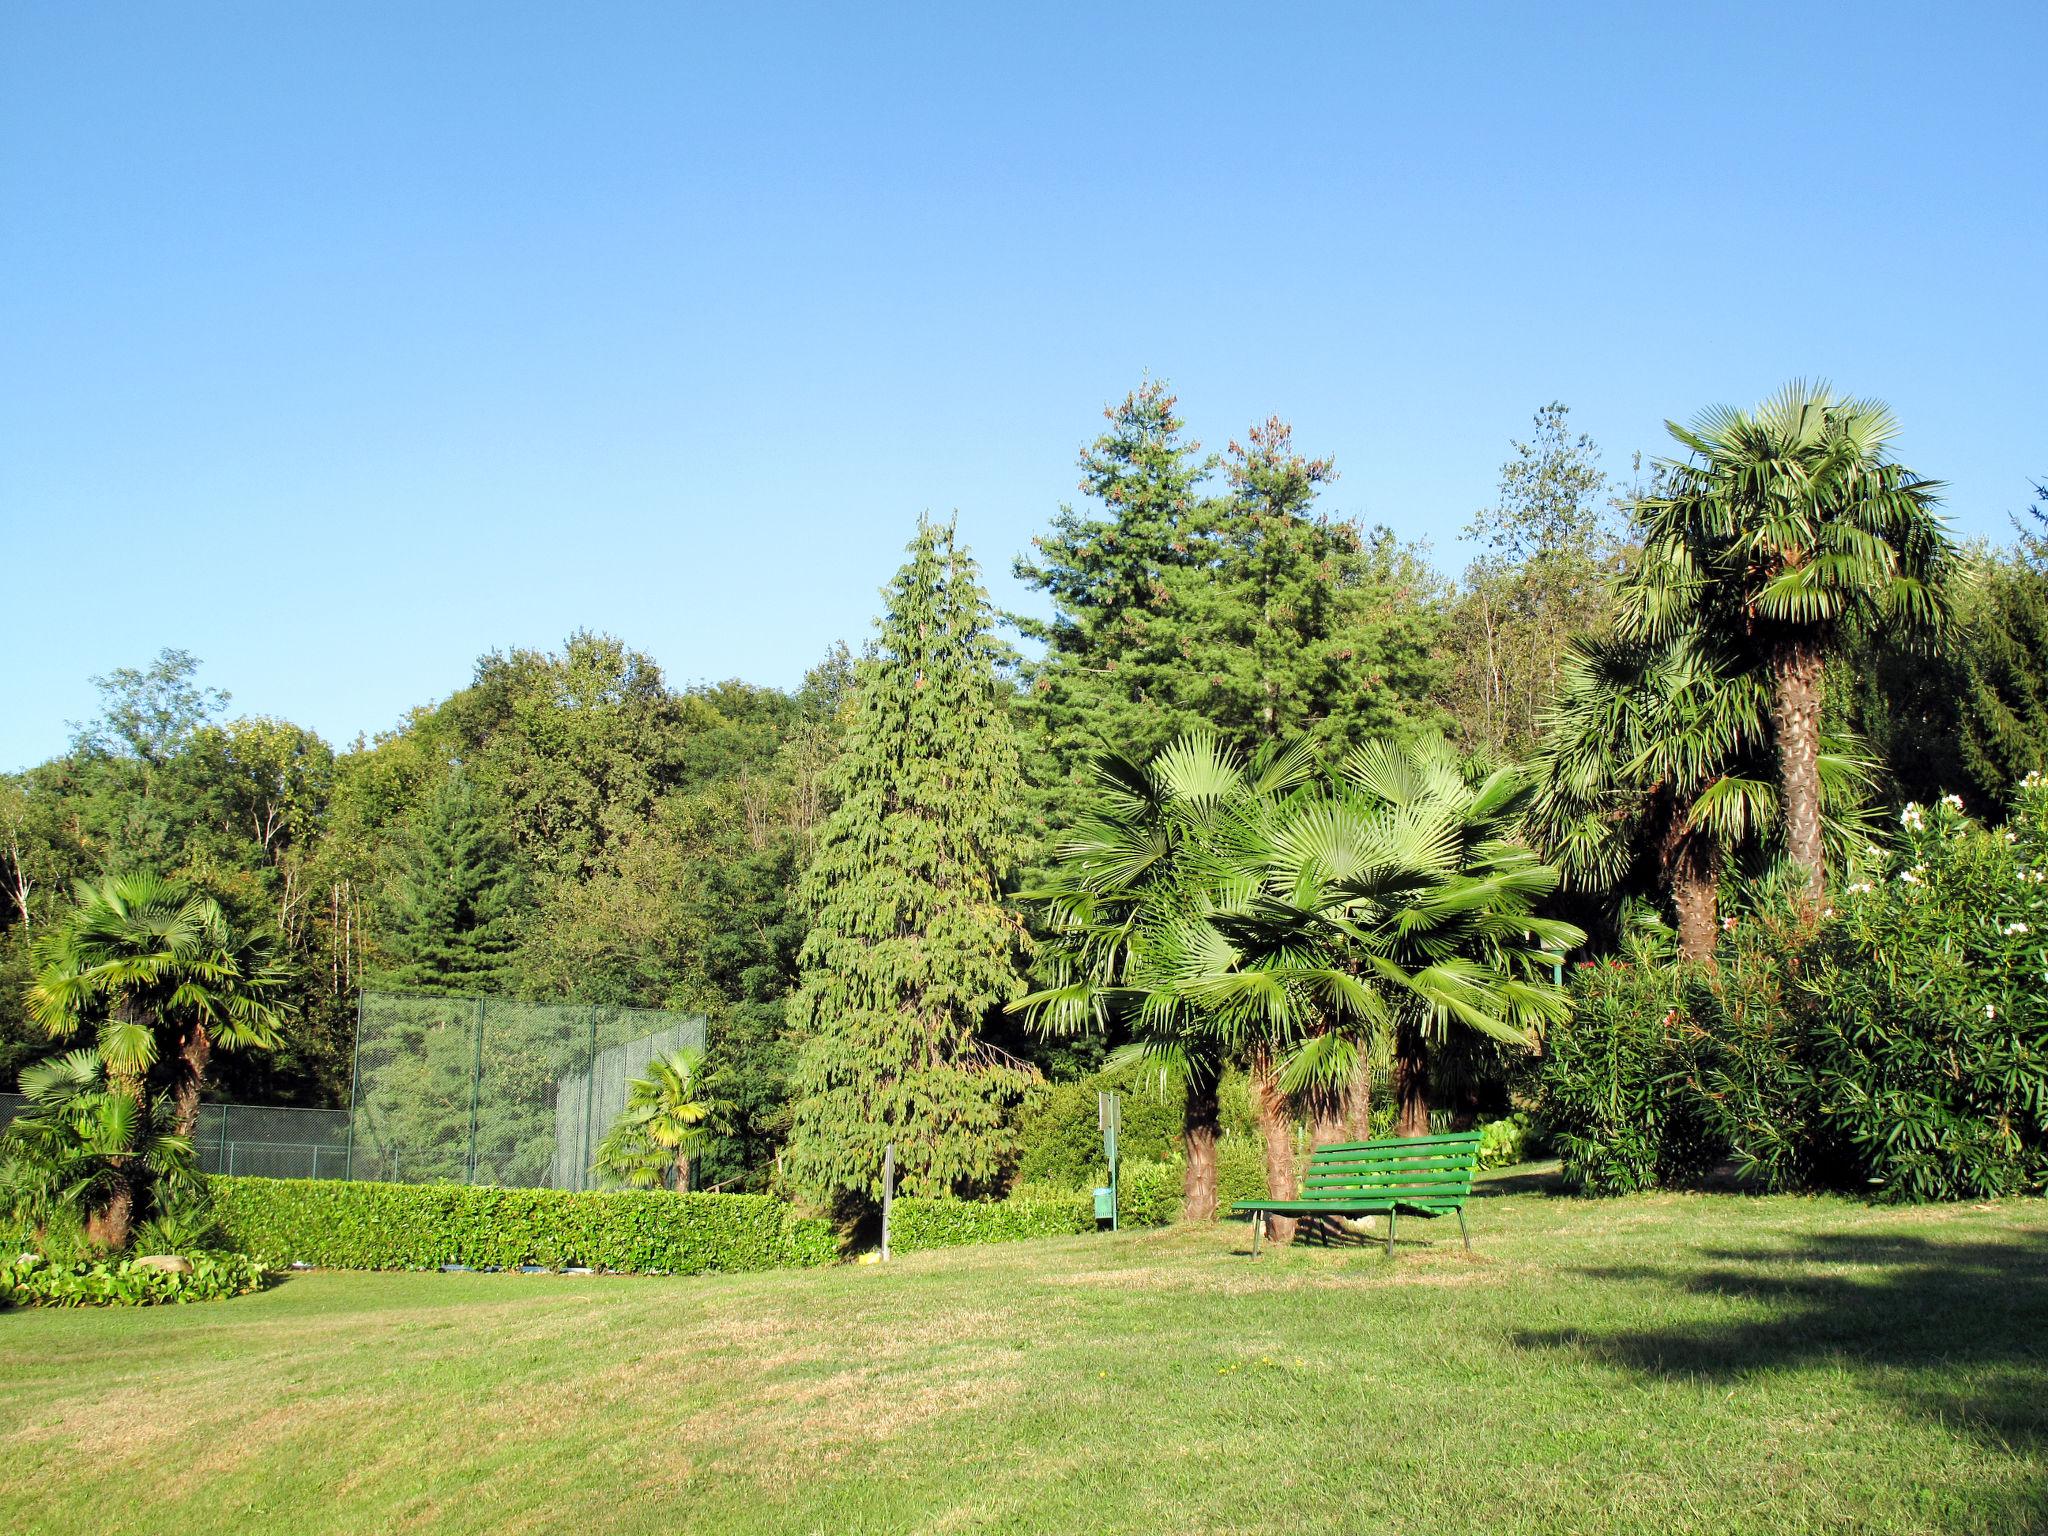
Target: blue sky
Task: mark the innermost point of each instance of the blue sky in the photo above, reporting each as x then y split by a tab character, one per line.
339	344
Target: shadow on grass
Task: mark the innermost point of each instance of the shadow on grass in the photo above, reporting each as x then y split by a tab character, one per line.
1957	1332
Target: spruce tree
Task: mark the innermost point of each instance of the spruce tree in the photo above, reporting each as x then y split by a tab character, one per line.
912	947
1115	675
453	902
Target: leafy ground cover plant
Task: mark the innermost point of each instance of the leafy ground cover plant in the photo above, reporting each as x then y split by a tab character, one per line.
30	1280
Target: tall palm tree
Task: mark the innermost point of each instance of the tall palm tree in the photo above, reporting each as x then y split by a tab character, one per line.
668	1116
1170	844
154	969
1661	753
1782	525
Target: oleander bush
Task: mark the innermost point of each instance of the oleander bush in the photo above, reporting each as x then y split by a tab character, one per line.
342	1225
1897	1046
30	1280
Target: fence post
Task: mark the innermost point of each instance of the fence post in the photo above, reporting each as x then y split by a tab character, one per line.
888	1194
583	1180
476	1091
220	1142
355	1067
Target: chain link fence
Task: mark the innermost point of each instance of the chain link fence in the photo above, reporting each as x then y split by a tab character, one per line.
489	1090
463	1090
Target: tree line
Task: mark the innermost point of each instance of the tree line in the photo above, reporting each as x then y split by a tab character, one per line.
870	883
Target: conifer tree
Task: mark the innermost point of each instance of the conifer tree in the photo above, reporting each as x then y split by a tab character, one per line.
454	899
912	947
1115	675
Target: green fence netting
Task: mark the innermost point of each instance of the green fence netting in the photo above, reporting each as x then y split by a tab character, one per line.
489	1090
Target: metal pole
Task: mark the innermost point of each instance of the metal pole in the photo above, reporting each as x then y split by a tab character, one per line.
476	1090
589	1101
355	1067
220	1142
888	1194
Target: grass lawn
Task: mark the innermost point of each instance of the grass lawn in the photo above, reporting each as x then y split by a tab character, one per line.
1672	1363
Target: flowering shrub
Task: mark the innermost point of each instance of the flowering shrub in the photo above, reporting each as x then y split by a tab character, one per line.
1899	1046
1927	1005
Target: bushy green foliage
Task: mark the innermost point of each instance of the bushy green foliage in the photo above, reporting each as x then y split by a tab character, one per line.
1927	1010
917	1222
1149	1192
1060	1140
333	1224
1509	1140
30	1280
1895	1045
1615	1101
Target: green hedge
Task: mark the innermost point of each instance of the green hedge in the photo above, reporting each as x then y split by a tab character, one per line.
339	1225
1150	1192
33	1281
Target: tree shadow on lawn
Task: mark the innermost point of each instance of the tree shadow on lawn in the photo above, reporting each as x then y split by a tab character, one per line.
1957	1332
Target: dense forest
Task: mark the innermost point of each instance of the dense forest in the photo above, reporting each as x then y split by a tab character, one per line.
567	826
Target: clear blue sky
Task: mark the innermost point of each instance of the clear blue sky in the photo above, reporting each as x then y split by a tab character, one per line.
341	343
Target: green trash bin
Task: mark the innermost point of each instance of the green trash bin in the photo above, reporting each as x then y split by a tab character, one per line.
1105	1203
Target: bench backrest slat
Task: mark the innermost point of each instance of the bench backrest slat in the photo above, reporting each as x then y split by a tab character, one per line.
1420	1170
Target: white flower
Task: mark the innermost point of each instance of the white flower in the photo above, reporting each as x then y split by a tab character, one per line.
1990	1012
2012	928
1912	818
1861	888
2032	780
2012	837
1953	802
1910	876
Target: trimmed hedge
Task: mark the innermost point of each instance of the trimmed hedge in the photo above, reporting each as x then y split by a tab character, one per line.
917	1222
338	1225
1151	1194
33	1281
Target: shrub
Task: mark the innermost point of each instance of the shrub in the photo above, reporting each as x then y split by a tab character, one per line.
33	1281
1031	1210
1509	1140
422	1226
1060	1141
1617	1097
1928	1010
1149	1191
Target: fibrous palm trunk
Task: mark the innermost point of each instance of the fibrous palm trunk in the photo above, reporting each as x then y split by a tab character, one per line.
195	1055
1276	1130
1411	1079
1797	707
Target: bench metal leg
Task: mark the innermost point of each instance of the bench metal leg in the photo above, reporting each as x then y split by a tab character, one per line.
1390	1233
1461	1229
1258	1230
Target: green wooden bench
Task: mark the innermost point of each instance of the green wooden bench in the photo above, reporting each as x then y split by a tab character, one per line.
1426	1176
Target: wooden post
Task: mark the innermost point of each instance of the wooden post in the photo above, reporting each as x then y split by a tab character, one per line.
888	1194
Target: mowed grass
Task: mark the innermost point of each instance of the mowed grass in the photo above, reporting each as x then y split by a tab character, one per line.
1675	1363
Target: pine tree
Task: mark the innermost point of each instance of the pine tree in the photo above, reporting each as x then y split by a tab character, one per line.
912	947
453	904
2005	663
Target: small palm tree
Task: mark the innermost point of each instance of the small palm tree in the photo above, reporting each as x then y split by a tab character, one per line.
668	1116
80	1145
146	964
1781	526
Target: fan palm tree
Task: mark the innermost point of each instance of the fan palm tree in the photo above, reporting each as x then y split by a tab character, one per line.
1661	751
82	1145
1782	525
668	1116
1397	903
155	970
1170	844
